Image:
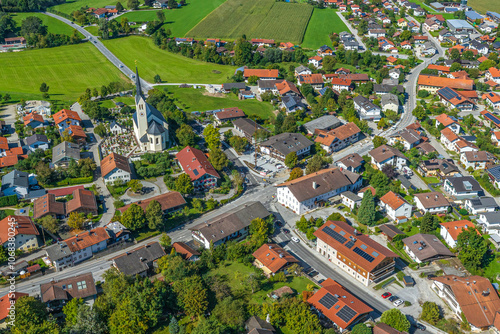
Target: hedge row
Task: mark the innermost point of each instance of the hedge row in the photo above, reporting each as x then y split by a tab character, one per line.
8	200
76	180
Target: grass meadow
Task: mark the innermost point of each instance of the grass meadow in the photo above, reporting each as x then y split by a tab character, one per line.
482	6
171	67
71	5
322	23
258	19
54	26
67	70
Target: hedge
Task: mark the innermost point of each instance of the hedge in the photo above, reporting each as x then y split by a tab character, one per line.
8	200
76	180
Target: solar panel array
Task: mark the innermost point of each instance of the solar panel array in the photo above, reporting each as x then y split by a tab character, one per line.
492	118
346	313
364	254
334	235
495	171
349	244
328	300
447	93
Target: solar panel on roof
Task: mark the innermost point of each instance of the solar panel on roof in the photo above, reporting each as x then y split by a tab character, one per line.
349	244
447	93
195	171
364	254
328	300
334	235
492	118
346	313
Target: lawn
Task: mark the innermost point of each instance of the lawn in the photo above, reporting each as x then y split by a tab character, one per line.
71	5
94	30
191	100
322	23
54	26
258	19
493	269
180	20
171	67
484	5
67	70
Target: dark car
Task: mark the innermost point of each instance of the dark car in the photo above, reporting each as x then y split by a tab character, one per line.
386	295
393	298
421	327
286	231
313	273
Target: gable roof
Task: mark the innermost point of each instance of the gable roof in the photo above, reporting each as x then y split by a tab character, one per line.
87	239
247	125
314	78
445	120
7	301
81	286
229	113
22	225
393	200
65	150
287	142
273	257
112	161
36	138
342	132
47	204
454	228
352	160
33	117
433	199
261	73
385	152
82	199
426	246
449	134
390	230
169	200
183	249
137	260
435	81
65	114
286	86
195	163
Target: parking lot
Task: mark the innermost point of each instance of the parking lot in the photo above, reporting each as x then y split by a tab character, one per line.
266	166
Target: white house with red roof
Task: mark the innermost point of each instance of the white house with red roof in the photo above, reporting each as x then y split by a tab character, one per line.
492	99
395	206
493	74
316	61
22	230
195	164
65	117
450	230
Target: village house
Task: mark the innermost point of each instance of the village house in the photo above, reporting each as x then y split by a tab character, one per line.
83	201
114	168
64	118
440	168
350	199
455	100
63	153
302	70
479	205
338	138
325	123
433	202
492	99
339	84
352	162
477	159
262	42
281	145
493	74
171	201
186	251
19	231
433	83
140	261
448	122
36	141
247	128
462	187
389	102
367	110
196	165
387	155
22	184
449	139
57	293
316	61
408	137
315	80
228	115
271	258
395	206
450	230
425	248
47	205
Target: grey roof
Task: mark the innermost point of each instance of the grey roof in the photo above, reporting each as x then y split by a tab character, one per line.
353	160
395	70
325	122
459	24
388	99
58	251
352	196
444	31
494	172
381	88
460	183
473	15
409	135
446	166
139	260
247	125
390	81
65	150
492	217
287	142
301	68
231	85
385	152
390	230
483	202
478	45
256	323
155	129
268	84
36	138
427	247
15	178
291	101
405	182
144	138
365	103
232	221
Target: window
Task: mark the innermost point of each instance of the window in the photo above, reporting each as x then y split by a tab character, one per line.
81	285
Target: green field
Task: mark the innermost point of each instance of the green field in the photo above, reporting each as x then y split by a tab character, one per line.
54	26
180	20
67	70
71	5
191	99
94	30
484	5
171	67
258	19
322	23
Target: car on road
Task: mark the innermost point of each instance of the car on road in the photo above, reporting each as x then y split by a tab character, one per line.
312	273
321	281
286	231
121	66
278	223
295	239
398	302
421	327
386	295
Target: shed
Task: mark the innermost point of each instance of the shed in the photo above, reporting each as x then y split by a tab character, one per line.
409	281
390	231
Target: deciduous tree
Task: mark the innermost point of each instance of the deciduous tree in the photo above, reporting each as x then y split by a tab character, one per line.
396	320
430	312
49	223
135	185
183	184
134	218
291	160
154	215
295	173
379	141
76	220
185	135
212	137
218	159
472	249
366	212
191	295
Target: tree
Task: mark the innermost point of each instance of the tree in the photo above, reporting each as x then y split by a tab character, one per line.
389	171
230	312
472	249
361	328
70	311
295	173
50	223
135	185
119	6
366	212
419	112
133	4
134	218
260	230
429	223
218	159
88	322
31	317
430	313
314	164
291	159
185	135
161	16
44	88
212	137
65	136
173	326
157	77
405	35
191	295
100	130
6	97
154	215
238	143
454	54
76	220
455	67
165	240
104	90
379	141
86	167
183	184
396	320
33	25
43	172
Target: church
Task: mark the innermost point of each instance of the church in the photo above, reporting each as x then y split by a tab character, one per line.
150	127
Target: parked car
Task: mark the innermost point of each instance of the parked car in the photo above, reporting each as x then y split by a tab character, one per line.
393	298
286	231
386	295
398	302
421	327
313	273
295	239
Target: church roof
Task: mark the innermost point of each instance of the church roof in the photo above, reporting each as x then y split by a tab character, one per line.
155	129
144	139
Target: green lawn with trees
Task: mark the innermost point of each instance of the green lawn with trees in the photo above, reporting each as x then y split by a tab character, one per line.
71	5
54	26
171	67
180	20
322	23
67	70
195	100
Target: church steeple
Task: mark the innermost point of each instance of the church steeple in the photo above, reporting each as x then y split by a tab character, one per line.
138	87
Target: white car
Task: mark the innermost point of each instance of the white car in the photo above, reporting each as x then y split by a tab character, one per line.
398	302
295	239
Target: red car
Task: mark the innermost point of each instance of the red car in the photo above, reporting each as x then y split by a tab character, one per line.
386	295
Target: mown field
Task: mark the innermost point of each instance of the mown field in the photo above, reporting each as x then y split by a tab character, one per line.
179	20
71	5
170	66
322	23
67	70
258	19
53	25
482	6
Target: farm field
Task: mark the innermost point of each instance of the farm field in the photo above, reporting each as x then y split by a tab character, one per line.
67	70
171	67
179	20
71	5
259	19
482	6
322	23
54	26
191	99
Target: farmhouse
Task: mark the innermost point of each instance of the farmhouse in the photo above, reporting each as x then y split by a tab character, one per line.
195	164
262	74
114	168
432	83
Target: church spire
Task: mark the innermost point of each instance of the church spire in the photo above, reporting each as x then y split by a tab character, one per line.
137	82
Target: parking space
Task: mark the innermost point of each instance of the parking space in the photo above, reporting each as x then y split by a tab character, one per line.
266	165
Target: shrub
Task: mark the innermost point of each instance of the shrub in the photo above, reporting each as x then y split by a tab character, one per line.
8	200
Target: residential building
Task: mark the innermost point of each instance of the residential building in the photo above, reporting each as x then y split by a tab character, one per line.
228	115
36	141
477	159
382	89
389	102
19	232
338	138
339	84
7	307
256	325
382	328
22	184
433	202
315	80
448	122
231	225
462	187
186	251
489	222
491	119
65	117
76	132
271	258
117	232
287	88
449	139
450	230
316	61
311	191
440	168
302	70
281	145
455	100
357	254
350	199
171	201
479	205
352	162
262	74
47	205
262	42
64	152
247	128
57	293
433	83
367	110
395	206
408	137
492	99
425	248
33	120
326	122
115	168
139	261
339	306
291	103
493	74
195	164
83	201
228	87
473	296
387	155
116	129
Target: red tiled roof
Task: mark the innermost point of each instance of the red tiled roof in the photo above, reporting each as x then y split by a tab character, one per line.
261	73
262	40
445	120
456	227
195	163
4	143
493	97
229	113
169	200
77	131
286	86
33	117
341	82
87	239
65	114
21	225
8	301
449	134
82	200
47	205
434	81
315	78
273	257
64	191
183	249
439	68
112	161
340	133
393	200
9	161
495	72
